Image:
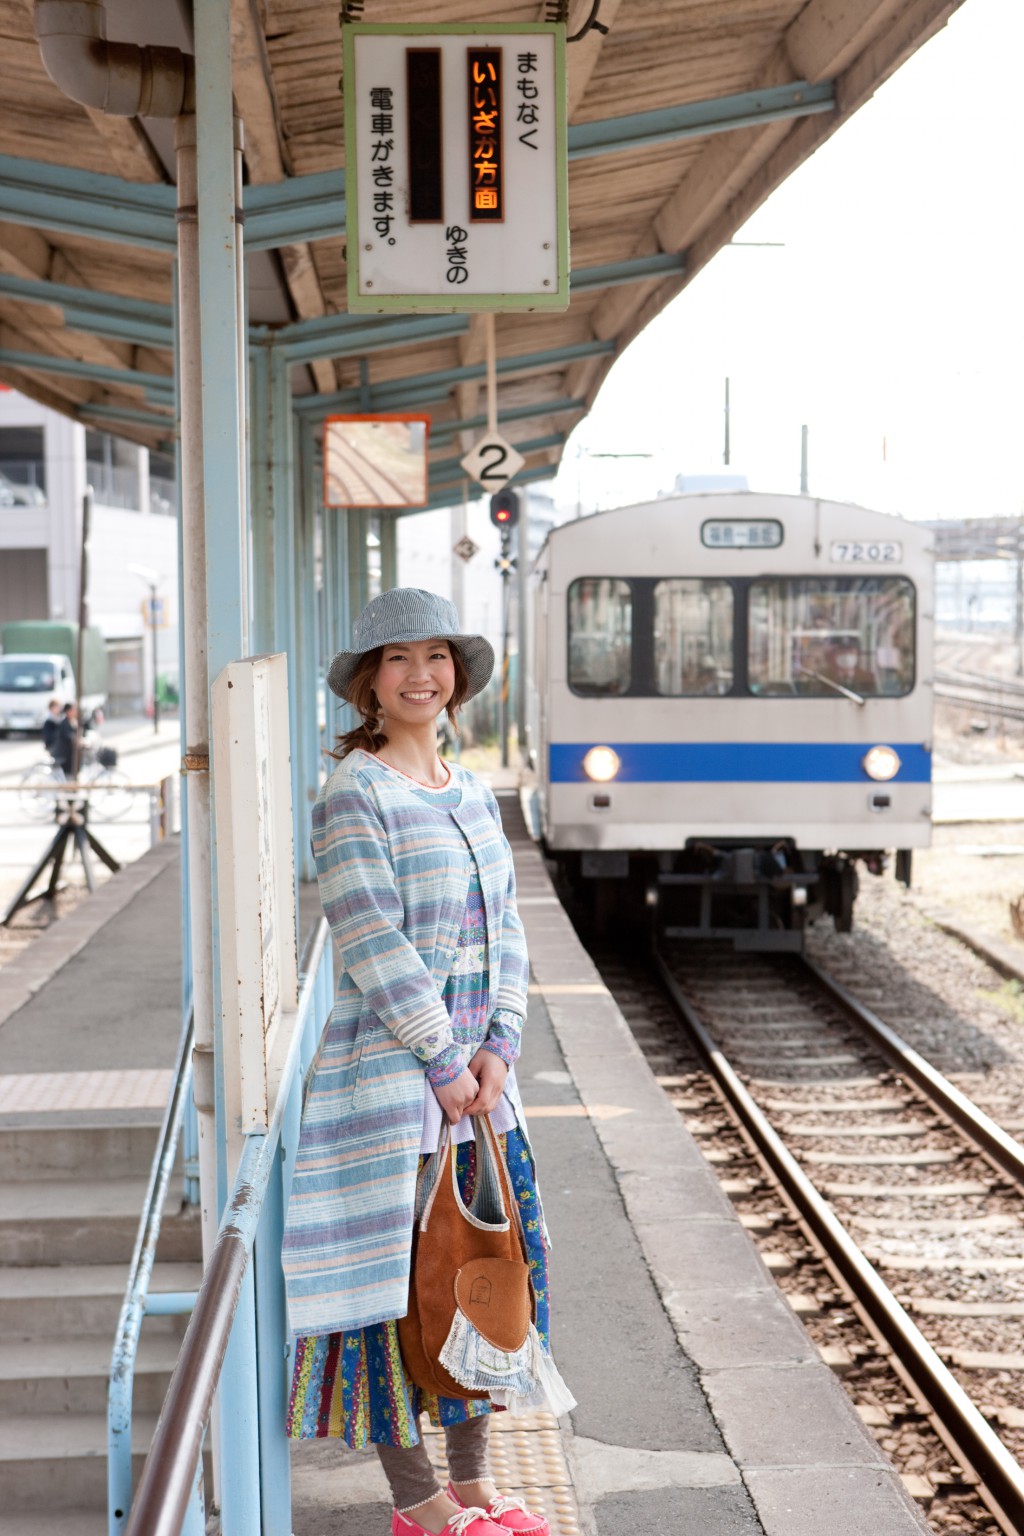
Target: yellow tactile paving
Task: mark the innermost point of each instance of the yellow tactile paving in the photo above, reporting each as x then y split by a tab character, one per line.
34	1091
526	1460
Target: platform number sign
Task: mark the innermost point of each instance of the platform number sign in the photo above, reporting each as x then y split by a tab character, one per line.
493	462
456	165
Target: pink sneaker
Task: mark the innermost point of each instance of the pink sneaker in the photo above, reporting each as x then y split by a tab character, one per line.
469	1521
512	1515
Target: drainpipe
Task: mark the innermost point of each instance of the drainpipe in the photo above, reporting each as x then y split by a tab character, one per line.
119	78
126	80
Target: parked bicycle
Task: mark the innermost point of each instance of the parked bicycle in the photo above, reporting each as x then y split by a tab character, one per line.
107	786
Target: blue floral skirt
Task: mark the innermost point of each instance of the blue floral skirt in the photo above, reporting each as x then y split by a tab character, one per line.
353	1386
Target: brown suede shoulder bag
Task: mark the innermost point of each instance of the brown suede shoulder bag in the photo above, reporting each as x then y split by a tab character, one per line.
471	1299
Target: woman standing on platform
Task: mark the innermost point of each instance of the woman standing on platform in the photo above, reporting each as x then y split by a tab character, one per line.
417	882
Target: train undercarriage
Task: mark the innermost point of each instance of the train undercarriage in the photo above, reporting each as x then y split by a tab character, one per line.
760	895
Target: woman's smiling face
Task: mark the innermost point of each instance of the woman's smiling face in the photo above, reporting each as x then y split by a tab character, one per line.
415	680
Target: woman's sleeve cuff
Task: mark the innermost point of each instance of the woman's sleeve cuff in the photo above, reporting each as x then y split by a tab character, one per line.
504	1035
446	1067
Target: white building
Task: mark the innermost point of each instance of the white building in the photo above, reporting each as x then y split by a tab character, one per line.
46	463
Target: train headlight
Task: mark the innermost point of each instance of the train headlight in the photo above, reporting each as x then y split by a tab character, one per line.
881	763
601	764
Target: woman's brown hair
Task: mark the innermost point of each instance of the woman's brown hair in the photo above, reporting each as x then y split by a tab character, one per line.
368	734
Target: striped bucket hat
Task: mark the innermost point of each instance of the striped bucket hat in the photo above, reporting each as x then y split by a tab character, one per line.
403	614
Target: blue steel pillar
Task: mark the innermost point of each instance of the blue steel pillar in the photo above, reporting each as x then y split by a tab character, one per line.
358	561
223	417
388	550
306	741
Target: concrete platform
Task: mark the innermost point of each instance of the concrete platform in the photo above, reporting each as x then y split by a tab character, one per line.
702	1404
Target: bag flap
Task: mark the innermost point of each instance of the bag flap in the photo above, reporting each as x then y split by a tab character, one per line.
496	1296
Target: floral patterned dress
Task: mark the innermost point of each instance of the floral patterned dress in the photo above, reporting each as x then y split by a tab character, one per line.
352	1386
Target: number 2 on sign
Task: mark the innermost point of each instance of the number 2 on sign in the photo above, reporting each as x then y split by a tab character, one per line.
492	461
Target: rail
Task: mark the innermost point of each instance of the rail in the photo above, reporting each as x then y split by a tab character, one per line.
137	1302
966	1428
167	1493
998	1145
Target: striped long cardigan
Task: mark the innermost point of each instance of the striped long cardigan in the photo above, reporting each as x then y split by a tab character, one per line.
393	872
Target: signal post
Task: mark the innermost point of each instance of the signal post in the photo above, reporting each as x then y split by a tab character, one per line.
504	512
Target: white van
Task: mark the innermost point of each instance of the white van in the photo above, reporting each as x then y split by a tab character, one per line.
27	684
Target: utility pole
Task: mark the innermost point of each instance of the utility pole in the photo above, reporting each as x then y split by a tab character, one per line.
83	620
725	455
803	460
1018	618
152	581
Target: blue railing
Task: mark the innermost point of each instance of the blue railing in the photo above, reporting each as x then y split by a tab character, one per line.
137	1302
255	1487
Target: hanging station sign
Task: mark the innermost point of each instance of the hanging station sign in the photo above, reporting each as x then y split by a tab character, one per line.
456	167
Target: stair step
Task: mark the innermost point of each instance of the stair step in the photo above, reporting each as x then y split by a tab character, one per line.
49	1463
52	1221
65	1522
80	1151
81	1298
69	1375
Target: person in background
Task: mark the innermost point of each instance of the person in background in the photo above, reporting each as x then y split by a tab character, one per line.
844	664
63	749
51	725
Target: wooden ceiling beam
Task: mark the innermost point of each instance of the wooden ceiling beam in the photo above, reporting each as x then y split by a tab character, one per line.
268	160
721	170
33	388
126	141
827	35
915	22
582	57
467	405
27	253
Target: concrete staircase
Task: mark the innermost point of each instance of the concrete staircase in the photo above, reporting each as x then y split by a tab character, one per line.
70	1199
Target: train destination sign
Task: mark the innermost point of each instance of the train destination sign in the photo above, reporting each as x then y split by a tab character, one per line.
741	533
456	167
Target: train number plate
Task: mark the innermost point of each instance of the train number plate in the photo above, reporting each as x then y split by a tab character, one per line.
858	552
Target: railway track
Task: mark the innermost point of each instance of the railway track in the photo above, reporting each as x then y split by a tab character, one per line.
1000	697
891	1211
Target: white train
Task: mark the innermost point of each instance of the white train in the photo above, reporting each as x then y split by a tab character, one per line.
731	705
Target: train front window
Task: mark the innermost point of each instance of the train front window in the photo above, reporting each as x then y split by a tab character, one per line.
693	637
600	636
815	636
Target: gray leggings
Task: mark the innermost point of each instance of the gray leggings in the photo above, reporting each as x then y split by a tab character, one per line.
411	1477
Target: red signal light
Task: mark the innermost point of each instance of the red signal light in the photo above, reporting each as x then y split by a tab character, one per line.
504	509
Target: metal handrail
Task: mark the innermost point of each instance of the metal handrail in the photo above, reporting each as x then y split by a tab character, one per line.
168	1476
136	1301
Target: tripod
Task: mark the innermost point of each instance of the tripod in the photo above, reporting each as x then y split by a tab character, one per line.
72	829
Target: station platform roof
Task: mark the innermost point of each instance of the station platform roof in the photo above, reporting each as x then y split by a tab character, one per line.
684	115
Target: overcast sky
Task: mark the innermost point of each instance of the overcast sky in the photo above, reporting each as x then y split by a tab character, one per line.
890	319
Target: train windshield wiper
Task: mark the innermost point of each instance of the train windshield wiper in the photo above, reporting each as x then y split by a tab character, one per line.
847	693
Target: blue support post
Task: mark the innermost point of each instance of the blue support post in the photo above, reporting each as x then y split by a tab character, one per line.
358	561
388	551
306	737
271	1344
261	501
224	481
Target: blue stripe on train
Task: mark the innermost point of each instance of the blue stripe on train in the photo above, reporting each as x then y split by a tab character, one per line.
743	762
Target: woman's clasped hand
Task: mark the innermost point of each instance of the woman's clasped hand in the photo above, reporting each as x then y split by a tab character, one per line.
477	1091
